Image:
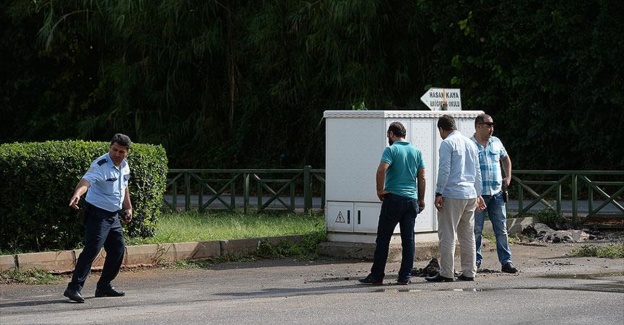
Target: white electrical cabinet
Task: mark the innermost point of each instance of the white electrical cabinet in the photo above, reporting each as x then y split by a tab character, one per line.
355	141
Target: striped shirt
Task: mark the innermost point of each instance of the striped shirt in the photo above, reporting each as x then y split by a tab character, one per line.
489	159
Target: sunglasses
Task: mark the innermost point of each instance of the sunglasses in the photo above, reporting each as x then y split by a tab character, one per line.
488	123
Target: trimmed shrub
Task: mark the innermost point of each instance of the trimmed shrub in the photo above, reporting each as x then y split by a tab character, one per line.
38	180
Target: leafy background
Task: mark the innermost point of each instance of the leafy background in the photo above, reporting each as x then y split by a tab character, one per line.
233	84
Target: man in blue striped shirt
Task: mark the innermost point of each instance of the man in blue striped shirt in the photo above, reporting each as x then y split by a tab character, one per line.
492	155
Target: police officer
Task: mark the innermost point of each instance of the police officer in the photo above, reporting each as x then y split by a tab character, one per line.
107	201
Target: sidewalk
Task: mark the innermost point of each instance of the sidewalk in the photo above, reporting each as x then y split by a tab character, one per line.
145	255
140	255
154	254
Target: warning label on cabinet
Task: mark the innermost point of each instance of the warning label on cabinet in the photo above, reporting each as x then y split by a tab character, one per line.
340	218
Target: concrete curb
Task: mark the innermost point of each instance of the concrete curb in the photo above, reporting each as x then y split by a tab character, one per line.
140	255
147	255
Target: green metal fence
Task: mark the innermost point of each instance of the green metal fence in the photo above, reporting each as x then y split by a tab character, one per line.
582	194
600	193
204	189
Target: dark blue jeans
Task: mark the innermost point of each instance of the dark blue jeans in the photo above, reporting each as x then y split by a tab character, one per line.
395	210
102	228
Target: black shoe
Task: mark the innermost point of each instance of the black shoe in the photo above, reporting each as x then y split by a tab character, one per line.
371	280
439	278
403	282
73	295
462	277
509	268
109	292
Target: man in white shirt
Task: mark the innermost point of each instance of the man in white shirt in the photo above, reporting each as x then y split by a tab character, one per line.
458	195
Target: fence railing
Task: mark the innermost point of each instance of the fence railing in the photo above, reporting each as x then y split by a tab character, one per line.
204	189
577	193
589	193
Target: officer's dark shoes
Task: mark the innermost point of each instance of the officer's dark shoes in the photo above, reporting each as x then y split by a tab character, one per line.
403	281
73	295
439	278
370	280
509	268
109	292
462	277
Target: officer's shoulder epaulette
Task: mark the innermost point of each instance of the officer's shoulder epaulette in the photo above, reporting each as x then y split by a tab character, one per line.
102	162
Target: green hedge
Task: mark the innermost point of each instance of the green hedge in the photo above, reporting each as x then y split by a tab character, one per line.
38	180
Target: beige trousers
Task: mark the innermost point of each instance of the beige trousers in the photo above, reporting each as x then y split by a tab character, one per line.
456	222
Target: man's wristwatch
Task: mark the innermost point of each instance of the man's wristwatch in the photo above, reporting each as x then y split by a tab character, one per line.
438	194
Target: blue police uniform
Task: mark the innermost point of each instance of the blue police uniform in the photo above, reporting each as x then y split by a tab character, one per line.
104	199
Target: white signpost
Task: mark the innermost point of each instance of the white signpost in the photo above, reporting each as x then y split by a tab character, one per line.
434	97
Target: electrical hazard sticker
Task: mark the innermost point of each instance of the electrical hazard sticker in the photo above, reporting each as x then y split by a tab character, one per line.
340	218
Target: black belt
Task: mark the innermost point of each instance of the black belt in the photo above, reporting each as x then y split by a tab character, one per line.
91	206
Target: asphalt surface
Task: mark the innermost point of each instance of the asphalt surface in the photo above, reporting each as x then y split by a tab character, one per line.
551	288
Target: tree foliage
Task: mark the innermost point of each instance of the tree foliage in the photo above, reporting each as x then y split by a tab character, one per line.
241	83
546	70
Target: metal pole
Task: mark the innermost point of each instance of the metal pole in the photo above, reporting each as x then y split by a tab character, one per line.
245	192
574	198
187	191
307	189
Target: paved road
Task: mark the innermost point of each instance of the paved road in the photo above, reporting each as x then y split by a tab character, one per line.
551	288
